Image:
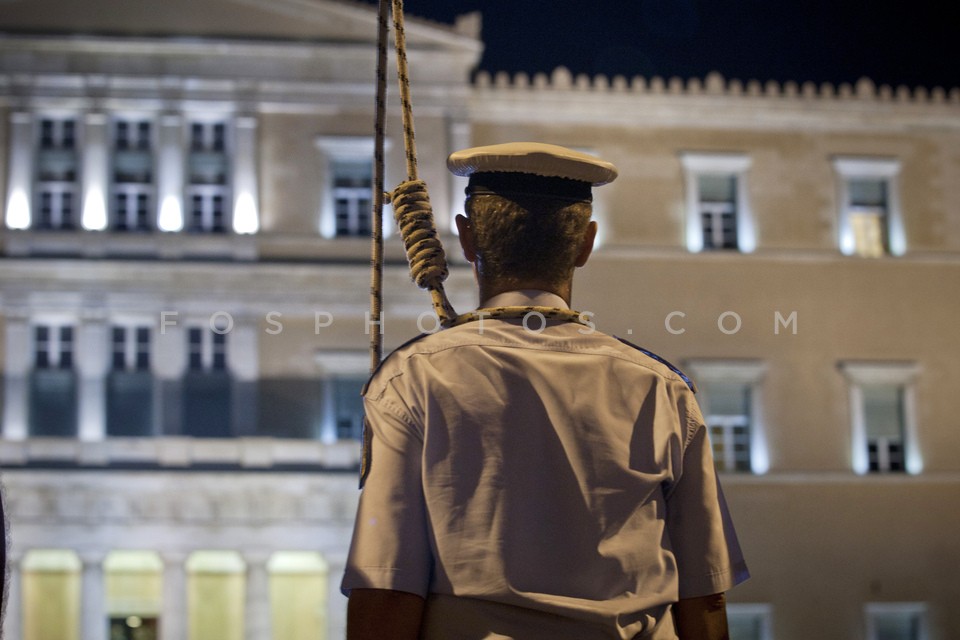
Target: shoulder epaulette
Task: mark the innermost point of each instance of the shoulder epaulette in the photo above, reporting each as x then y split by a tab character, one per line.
366	384
662	361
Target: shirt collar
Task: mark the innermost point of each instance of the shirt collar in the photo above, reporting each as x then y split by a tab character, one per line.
525	298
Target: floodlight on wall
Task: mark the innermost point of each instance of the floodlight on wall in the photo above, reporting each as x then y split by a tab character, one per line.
245	217
18	210
171	215
94	210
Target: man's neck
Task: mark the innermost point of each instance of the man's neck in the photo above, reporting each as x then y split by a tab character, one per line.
489	290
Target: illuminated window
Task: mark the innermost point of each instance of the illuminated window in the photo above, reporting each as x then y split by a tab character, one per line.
133	172
896	621
56	191
728	420
298	594
208	188
134	584
729	396
51	592
868	216
749	621
215	595
345	202
718	212
882	408
883	415
870	220
351	196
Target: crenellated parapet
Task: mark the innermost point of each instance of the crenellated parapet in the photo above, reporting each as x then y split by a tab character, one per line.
714	85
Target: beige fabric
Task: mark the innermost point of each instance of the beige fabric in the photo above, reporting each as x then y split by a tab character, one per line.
558	474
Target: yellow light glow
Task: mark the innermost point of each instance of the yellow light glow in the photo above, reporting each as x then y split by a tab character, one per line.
245	218
18	210
171	215
94	211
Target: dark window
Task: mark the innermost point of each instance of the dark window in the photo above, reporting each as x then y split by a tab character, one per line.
66	347
46	134
219	137
196	348
143	349
41	338
69	134
219	351
133	628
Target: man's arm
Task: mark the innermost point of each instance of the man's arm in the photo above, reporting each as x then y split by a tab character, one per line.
702	618
374	614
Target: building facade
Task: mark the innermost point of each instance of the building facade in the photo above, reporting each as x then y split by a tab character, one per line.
184	309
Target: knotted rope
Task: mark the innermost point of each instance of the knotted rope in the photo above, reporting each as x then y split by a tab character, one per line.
428	262
411	202
524	313
412	210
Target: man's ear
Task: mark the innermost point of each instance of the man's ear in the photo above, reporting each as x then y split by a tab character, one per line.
587	246
467	242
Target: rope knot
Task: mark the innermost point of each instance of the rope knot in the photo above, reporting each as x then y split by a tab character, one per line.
414	216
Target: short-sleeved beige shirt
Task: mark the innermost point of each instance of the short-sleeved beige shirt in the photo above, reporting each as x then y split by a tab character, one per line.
553	483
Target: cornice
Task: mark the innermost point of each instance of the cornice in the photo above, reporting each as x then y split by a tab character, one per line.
712	102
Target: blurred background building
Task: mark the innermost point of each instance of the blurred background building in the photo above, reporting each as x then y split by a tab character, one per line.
184	293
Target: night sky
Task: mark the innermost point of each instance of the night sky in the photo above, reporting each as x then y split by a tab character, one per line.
911	43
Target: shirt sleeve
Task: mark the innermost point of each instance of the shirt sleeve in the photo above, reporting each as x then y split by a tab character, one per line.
390	547
702	537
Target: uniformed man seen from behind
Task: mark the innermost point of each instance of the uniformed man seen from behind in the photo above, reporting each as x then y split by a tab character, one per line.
530	477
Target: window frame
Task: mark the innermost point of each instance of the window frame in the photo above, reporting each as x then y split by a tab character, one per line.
849	168
216	138
134	358
64	194
762	610
127	195
903	374
749	373
334	149
736	165
334	365
354	198
55	351
873	609
211	352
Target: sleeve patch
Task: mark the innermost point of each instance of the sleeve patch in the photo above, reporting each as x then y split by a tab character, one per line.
366	451
663	361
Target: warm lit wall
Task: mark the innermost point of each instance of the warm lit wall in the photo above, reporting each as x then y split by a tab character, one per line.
819	548
44	592
298	603
791	183
215	603
847	309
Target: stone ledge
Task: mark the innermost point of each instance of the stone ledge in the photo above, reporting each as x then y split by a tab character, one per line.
715	85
